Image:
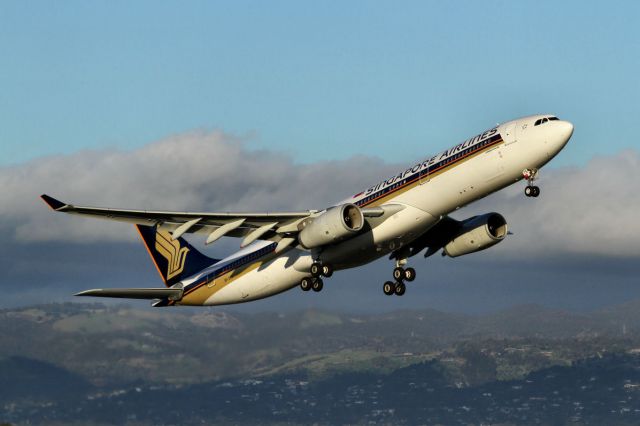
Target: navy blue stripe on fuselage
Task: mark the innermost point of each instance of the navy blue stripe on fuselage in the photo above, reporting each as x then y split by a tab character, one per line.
430	170
235	264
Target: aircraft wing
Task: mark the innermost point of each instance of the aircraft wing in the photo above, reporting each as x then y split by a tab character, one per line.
280	227
250	226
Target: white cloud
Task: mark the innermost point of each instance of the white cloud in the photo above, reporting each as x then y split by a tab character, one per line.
588	210
207	171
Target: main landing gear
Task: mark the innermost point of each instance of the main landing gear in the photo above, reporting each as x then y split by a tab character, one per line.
310	283
530	175
400	275
321	269
314	282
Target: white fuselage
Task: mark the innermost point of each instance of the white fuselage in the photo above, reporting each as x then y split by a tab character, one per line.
414	200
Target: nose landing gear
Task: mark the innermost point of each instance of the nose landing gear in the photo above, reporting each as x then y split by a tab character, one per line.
530	175
532	191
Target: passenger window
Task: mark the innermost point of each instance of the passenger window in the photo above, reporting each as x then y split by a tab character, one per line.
537	123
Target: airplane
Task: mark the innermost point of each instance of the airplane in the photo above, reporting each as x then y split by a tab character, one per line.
399	216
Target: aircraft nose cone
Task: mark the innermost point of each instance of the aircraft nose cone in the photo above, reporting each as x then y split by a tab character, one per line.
562	131
565	130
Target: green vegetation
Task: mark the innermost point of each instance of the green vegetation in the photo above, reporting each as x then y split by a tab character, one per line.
108	345
57	353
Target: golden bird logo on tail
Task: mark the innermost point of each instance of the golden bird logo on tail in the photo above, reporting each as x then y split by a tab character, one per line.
171	250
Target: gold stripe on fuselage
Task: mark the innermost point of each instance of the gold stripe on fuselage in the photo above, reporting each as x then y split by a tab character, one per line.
201	292
412	184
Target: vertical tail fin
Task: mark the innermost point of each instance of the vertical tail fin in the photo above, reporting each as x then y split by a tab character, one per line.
174	259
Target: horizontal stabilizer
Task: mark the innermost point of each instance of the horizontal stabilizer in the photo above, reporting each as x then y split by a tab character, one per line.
135	293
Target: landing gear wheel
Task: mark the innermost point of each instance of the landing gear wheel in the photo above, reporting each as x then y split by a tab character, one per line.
536	191
389	288
305	284
327	270
532	191
400	288
409	274
317	285
316	269
398	274
528	191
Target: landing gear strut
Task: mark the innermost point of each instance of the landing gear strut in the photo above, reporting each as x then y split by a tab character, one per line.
530	175
400	275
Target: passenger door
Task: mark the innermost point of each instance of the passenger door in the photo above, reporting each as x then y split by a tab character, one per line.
509	132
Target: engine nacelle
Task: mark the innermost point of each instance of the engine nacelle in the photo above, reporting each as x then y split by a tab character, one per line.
336	224
478	233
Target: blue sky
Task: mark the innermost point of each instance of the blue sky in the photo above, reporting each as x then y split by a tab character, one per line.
314	81
318	80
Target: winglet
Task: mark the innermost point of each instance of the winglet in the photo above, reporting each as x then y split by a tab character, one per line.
52	202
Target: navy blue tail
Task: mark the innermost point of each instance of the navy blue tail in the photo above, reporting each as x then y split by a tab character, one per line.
174	259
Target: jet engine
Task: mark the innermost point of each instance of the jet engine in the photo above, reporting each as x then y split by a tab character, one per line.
334	225
477	233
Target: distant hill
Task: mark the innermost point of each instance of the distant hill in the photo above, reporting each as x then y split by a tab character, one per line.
593	391
111	345
55	355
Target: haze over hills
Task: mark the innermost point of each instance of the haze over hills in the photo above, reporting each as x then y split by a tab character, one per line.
54	356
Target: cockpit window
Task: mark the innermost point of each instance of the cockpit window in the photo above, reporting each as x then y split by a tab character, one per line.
544	120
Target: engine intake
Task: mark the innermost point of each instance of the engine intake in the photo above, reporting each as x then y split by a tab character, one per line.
334	225
478	233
